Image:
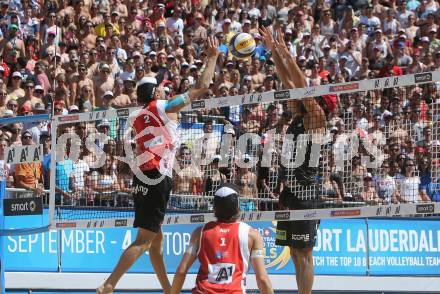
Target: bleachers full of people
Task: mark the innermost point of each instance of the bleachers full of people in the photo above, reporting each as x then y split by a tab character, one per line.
62	57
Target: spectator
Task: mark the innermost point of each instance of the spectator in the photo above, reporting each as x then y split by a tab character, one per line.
105	184
408	185
386	185
369	193
213	177
29	175
189	178
247	182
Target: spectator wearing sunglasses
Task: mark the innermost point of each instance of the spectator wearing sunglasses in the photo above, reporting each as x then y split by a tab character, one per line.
29	175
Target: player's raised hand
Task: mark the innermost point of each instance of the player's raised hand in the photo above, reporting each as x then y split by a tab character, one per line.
212	48
281	44
268	39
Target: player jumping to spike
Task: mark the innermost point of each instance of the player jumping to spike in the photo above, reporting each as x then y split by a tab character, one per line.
150	200
300	188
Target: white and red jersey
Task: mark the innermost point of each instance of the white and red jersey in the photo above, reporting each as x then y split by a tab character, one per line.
224	258
157	138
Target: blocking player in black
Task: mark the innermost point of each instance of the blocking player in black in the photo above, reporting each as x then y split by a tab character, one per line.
299	191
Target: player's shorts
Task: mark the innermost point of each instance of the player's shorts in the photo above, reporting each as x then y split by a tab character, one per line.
150	202
296	234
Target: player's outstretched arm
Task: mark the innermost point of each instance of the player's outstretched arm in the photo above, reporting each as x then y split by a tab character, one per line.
202	85
294	73
315	118
187	260
278	58
257	258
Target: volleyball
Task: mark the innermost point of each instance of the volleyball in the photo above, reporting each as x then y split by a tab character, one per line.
242	45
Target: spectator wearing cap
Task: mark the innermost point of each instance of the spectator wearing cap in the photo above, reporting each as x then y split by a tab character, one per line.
402	58
434	42
16	92
29	99
390	25
13	47
140	72
86	98
429	23
103	83
107	128
106	26
51	48
372	22
121	100
260	49
29	175
227	32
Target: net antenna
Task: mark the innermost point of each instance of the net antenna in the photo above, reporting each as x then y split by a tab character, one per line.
207	138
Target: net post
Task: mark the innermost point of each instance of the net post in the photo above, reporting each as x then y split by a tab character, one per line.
53	155
2	227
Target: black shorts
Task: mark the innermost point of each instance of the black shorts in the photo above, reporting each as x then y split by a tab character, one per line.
296	234
150	201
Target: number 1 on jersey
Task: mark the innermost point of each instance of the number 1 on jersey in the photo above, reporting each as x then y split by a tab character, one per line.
222	241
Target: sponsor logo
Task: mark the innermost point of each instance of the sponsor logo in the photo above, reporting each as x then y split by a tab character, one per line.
198	104
349	212
282	215
67	118
27	153
346	87
388	82
95	224
140	189
66	225
281	235
310	91
23	206
222	102
123	112
301	237
282	94
309	215
425	208
423	77
121	222
197	218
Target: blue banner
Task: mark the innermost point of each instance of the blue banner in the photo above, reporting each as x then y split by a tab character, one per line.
405	247
397	247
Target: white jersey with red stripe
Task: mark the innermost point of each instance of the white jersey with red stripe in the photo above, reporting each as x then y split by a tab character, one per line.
157	138
224	258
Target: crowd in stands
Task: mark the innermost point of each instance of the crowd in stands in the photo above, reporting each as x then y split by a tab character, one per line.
68	56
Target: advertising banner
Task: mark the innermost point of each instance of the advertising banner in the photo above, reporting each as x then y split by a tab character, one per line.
397	247
405	247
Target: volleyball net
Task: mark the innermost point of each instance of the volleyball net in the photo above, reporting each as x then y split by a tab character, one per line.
371	149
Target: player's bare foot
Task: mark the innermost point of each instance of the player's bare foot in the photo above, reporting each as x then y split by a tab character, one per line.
103	289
